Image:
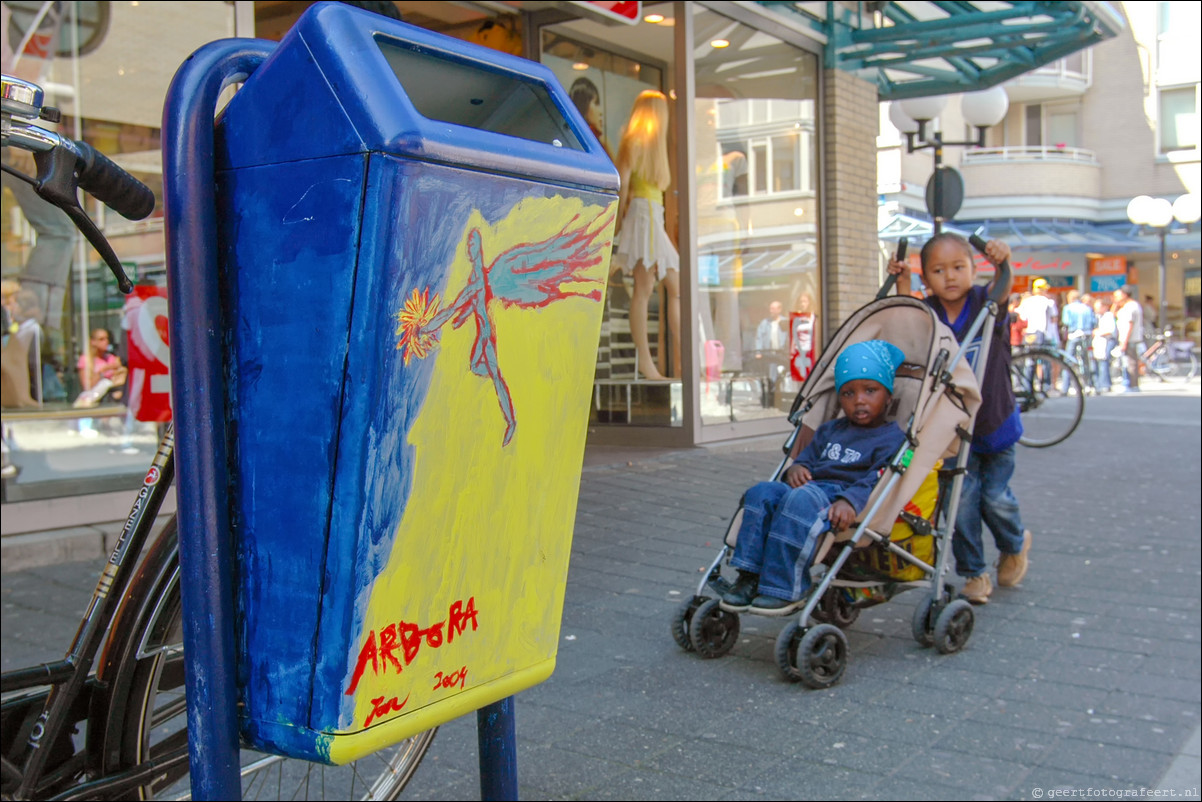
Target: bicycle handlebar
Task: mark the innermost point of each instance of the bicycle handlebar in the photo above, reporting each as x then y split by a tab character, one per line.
66	165
112	185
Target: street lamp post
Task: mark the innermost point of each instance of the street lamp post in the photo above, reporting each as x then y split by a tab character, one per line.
945	192
1159	215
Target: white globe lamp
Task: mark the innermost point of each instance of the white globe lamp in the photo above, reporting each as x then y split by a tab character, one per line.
1186	208
924	109
902	121
985	108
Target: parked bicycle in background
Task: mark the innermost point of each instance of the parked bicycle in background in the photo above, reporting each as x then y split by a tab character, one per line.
1169	358
1049	392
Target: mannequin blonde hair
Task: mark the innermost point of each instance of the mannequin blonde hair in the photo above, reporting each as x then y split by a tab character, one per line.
644	147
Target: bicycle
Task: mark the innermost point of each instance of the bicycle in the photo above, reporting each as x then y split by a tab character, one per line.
120	686
1168	358
1049	414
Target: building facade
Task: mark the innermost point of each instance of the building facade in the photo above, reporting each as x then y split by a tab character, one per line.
1082	137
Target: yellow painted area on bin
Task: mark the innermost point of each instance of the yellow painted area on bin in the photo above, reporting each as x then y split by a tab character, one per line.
352	746
488	525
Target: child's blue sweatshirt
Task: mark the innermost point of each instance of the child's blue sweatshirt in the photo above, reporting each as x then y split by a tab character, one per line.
851	456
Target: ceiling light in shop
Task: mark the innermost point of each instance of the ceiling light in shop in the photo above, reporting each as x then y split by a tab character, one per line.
580	65
720	43
654	19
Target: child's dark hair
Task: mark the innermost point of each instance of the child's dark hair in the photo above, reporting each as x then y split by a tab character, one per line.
944	236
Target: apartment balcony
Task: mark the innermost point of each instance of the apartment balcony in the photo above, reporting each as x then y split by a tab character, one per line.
1068	77
1027	171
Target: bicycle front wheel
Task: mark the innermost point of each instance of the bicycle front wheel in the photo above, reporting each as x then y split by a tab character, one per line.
146	715
1049	396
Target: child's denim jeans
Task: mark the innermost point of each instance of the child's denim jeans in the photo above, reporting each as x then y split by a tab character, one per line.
986	498
779	534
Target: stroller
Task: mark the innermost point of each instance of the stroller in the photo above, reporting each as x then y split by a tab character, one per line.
902	538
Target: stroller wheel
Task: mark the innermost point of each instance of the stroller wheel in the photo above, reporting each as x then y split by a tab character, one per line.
682	616
953	627
816	657
921	625
712	630
837	610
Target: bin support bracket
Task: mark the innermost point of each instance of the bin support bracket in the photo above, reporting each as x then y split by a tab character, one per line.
198	387
498	752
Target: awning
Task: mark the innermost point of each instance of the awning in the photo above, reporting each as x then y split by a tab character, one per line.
1062	236
914	48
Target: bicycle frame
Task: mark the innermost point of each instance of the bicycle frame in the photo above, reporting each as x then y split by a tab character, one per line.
72	693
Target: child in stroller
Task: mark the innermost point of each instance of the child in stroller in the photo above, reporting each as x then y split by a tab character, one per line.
825	488
900	538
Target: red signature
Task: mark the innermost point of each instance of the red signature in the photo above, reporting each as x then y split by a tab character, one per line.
381	707
381	652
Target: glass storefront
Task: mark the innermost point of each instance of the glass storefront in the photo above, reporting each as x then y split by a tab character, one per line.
106	66
758	261
728	334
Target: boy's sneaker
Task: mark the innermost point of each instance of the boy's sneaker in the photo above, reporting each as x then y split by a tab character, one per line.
770	605
1011	568
742	591
977	589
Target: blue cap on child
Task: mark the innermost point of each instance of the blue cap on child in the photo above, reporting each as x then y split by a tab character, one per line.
871	359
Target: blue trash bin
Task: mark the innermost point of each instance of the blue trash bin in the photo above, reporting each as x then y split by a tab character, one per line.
415	236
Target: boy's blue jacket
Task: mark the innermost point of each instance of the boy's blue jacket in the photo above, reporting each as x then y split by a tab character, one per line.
851	456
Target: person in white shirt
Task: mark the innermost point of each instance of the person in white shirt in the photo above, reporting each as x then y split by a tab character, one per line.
1129	322
1039	312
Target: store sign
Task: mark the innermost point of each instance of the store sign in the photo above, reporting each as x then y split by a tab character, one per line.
1109	266
627	13
1040	264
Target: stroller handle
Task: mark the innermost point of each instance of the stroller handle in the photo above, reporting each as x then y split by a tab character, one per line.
884	291
1001	285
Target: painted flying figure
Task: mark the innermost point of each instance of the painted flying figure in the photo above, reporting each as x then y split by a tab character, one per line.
529	276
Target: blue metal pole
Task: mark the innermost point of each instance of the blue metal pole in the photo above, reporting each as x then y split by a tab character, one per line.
495	730
198	398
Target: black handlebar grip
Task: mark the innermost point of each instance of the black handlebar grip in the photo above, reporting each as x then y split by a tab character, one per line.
111	185
1001	285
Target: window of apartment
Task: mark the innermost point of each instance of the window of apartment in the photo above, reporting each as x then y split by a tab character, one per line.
1053	126
1178	119
1176	42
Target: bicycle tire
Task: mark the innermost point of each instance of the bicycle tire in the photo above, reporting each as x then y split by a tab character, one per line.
1049	415
1187	367
145	716
1160	364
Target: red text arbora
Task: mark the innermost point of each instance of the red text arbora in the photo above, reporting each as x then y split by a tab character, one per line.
402	641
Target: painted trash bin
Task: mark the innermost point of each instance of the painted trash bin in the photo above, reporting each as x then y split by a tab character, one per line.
414	243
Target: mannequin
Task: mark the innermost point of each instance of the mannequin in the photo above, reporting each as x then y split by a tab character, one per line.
644	250
587	100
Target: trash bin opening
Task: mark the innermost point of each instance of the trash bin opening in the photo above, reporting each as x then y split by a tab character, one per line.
453	91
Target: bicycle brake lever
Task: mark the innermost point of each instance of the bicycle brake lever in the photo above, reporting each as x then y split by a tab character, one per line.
56	185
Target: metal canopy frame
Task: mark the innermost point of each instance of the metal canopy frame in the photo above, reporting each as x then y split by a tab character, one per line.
915	48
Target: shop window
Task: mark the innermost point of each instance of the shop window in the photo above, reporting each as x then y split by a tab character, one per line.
756	217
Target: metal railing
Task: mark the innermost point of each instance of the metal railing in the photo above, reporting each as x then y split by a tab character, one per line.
1029	153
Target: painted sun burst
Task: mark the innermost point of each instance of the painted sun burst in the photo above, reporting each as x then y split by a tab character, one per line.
416	314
